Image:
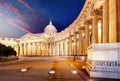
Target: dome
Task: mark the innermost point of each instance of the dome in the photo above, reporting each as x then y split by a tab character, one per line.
50	29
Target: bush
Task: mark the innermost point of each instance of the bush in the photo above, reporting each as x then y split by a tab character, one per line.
6	51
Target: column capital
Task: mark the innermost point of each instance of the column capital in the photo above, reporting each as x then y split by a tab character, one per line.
76	32
71	36
81	28
88	22
24	43
96	12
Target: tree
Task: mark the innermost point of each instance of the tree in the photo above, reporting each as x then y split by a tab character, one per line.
6	51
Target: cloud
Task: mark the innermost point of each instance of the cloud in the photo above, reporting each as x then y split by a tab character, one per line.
11	7
17	26
14	9
20	22
13	23
26	5
1	14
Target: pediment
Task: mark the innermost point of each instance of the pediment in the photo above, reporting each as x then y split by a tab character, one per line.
29	36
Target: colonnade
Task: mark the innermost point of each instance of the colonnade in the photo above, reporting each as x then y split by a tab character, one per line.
67	46
33	49
99	26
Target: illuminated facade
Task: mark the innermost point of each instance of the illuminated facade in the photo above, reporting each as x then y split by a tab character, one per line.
95	33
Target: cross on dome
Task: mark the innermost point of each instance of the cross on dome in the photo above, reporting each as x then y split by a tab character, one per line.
50	21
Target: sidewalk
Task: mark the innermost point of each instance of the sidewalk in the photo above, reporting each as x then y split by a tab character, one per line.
79	64
9	62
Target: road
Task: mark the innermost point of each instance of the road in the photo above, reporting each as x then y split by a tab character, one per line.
38	70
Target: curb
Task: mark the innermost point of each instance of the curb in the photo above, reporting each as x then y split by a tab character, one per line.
80	73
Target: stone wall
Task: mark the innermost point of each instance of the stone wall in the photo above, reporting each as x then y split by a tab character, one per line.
104	60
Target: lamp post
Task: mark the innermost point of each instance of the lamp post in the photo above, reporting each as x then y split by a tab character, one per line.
74	46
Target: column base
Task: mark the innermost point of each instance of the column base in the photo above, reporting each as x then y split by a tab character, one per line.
103	60
103	72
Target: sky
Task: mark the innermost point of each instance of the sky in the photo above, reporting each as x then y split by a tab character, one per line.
19	17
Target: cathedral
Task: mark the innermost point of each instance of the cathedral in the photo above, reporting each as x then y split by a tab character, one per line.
95	33
39	44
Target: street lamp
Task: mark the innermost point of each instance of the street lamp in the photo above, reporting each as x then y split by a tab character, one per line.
74	46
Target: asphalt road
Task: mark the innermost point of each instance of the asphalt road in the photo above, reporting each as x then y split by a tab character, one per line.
38	70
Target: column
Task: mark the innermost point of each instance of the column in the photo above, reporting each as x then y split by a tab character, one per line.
118	20
86	35
80	42
40	53
24	47
106	21
32	49
83	42
66	46
112	21
95	14
45	54
63	47
75	41
36	48
49	49
95	30
42	48
70	45
20	49
59	48
54	49
29	49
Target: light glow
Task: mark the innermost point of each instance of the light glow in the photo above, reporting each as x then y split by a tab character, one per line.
74	71
99	31
52	72
83	34
23	70
90	26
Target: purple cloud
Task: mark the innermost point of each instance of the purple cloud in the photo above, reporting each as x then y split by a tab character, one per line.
26	5
20	22
17	26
